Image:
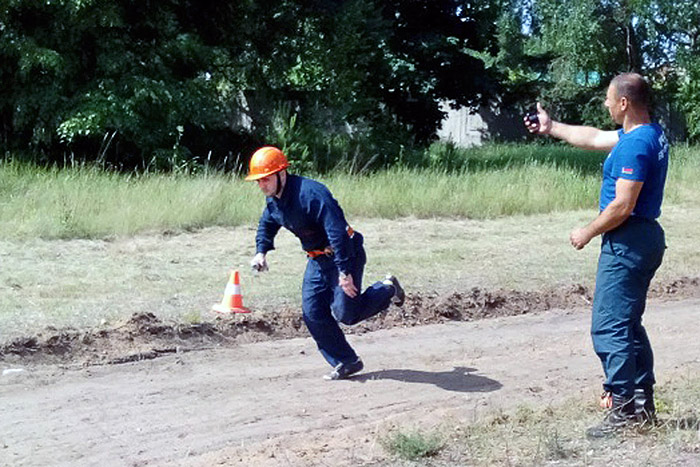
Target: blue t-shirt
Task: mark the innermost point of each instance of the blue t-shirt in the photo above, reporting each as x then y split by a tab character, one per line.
640	155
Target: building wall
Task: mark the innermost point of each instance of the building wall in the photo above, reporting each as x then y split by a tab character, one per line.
465	128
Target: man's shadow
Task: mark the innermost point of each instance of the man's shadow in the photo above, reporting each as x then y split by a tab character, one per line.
460	379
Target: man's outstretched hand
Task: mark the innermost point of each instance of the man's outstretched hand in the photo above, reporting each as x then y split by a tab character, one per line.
542	125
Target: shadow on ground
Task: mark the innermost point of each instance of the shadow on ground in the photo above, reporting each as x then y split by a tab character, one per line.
459	379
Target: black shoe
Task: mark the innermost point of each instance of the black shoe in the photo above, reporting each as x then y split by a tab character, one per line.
345	370
644	407
620	416
399	294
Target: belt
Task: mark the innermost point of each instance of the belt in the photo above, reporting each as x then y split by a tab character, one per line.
313	254
328	251
640	219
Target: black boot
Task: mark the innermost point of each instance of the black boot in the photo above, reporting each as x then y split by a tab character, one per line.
621	415
644	407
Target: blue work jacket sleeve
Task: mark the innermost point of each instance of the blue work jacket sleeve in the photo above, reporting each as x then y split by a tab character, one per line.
267	230
327	213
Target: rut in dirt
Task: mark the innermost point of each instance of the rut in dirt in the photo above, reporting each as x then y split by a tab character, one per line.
145	336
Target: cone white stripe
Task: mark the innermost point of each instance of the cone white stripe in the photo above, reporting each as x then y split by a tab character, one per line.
233	289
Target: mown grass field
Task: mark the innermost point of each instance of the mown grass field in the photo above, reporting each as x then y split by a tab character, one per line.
84	247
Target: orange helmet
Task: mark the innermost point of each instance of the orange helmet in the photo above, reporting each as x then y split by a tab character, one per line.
266	161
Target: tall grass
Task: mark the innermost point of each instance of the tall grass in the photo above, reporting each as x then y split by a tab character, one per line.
429	193
89	202
684	168
487	182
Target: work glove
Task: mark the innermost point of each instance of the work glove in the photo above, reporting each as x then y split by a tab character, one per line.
259	263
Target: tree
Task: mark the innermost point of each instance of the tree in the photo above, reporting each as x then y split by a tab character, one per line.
673	38
383	68
159	84
433	55
85	73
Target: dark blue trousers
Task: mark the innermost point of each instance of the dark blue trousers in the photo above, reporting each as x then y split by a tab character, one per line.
324	304
629	257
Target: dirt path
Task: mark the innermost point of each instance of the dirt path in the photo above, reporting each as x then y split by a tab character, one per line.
265	403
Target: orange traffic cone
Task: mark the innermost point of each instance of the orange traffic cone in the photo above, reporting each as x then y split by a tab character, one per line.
233	300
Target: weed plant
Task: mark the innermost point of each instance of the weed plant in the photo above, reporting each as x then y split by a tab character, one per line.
413	445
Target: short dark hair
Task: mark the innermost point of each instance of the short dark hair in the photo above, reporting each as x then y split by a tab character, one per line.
634	87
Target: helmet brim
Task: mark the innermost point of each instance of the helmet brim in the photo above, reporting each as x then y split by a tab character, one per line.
254	177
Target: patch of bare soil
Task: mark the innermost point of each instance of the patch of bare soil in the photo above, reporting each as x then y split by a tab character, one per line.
144	336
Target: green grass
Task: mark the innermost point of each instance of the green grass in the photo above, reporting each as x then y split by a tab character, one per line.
428	193
684	168
484	183
413	445
87	202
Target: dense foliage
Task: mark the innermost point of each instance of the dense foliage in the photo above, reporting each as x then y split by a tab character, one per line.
179	84
566	52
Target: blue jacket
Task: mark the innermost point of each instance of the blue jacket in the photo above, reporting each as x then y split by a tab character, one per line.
308	210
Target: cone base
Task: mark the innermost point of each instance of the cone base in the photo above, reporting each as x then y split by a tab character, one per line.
227	311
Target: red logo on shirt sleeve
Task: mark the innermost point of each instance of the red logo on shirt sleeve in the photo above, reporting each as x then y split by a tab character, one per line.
627	170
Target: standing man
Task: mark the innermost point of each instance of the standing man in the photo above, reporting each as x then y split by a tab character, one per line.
331	291
634	175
